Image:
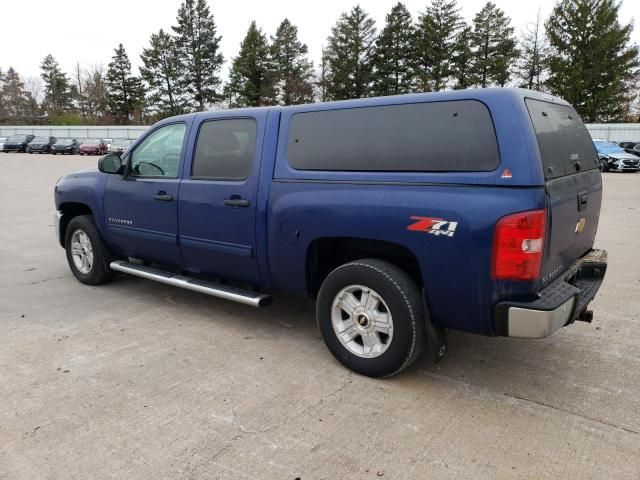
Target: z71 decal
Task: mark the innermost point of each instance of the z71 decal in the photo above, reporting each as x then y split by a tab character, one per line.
435	226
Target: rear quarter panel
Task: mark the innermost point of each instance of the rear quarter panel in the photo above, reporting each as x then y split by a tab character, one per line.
456	270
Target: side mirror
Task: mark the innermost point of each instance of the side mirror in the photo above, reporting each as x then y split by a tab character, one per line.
110	164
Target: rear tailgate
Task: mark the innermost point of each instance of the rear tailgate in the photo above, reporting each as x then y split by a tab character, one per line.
573	184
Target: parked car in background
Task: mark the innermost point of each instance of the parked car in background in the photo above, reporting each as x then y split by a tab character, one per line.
41	144
17	143
613	157
93	146
119	145
2	140
66	145
631	147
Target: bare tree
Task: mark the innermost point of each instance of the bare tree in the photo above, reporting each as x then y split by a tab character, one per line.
95	91
531	68
79	80
35	93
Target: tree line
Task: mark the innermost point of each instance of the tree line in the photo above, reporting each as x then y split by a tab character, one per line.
581	52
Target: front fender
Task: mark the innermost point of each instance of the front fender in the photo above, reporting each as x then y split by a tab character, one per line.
83	188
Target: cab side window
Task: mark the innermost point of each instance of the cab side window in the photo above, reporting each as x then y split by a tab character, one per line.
225	150
159	154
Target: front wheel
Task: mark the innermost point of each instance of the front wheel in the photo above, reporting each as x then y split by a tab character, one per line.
604	165
87	255
371	316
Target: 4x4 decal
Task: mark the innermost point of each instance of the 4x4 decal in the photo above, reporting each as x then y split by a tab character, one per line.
435	226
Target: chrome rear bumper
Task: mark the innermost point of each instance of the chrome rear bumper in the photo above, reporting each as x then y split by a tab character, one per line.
558	304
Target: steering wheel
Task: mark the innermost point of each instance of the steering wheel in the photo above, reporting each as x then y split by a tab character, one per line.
149	163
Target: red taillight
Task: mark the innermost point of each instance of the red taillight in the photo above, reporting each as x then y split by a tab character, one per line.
518	246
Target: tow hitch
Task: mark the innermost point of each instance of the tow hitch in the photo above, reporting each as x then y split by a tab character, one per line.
585	316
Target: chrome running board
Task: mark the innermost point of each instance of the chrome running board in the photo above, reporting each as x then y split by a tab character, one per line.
188	283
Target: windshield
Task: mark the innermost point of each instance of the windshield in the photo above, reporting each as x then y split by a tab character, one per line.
17	138
92	141
607	147
64	141
40	140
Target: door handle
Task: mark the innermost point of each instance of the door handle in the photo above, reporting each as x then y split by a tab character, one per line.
582	201
236	201
163	196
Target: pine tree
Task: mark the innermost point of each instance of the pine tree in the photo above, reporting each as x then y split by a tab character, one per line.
15	98
161	72
436	35
394	56
251	76
593	62
58	95
125	92
350	55
534	55
461	59
494	47
199	51
293	72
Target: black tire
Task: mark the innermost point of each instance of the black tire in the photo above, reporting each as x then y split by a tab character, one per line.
405	304
604	165
99	271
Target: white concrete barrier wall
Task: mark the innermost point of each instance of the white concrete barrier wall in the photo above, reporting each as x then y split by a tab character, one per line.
118	131
617	132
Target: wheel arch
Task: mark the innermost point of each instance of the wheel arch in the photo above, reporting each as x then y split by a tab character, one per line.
327	253
70	210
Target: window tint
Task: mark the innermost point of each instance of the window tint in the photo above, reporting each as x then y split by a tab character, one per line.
159	154
563	139
436	137
225	149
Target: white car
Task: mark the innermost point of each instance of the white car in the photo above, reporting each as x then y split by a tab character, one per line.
2	140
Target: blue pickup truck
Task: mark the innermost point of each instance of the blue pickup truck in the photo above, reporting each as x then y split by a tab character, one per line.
402	216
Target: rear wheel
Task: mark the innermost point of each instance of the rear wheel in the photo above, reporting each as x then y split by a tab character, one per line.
371	316
87	255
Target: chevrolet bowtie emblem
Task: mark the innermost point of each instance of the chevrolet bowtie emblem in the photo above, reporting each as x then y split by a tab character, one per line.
580	225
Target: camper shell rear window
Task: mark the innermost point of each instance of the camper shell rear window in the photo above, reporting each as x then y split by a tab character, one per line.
450	136
563	139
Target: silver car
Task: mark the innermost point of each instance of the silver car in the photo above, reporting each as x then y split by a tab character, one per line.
119	145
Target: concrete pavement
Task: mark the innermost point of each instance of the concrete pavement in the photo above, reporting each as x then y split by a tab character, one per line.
138	380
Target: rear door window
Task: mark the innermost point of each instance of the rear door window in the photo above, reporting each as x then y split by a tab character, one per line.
564	142
225	149
453	136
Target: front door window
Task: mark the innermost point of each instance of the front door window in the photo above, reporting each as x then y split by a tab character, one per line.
159	154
